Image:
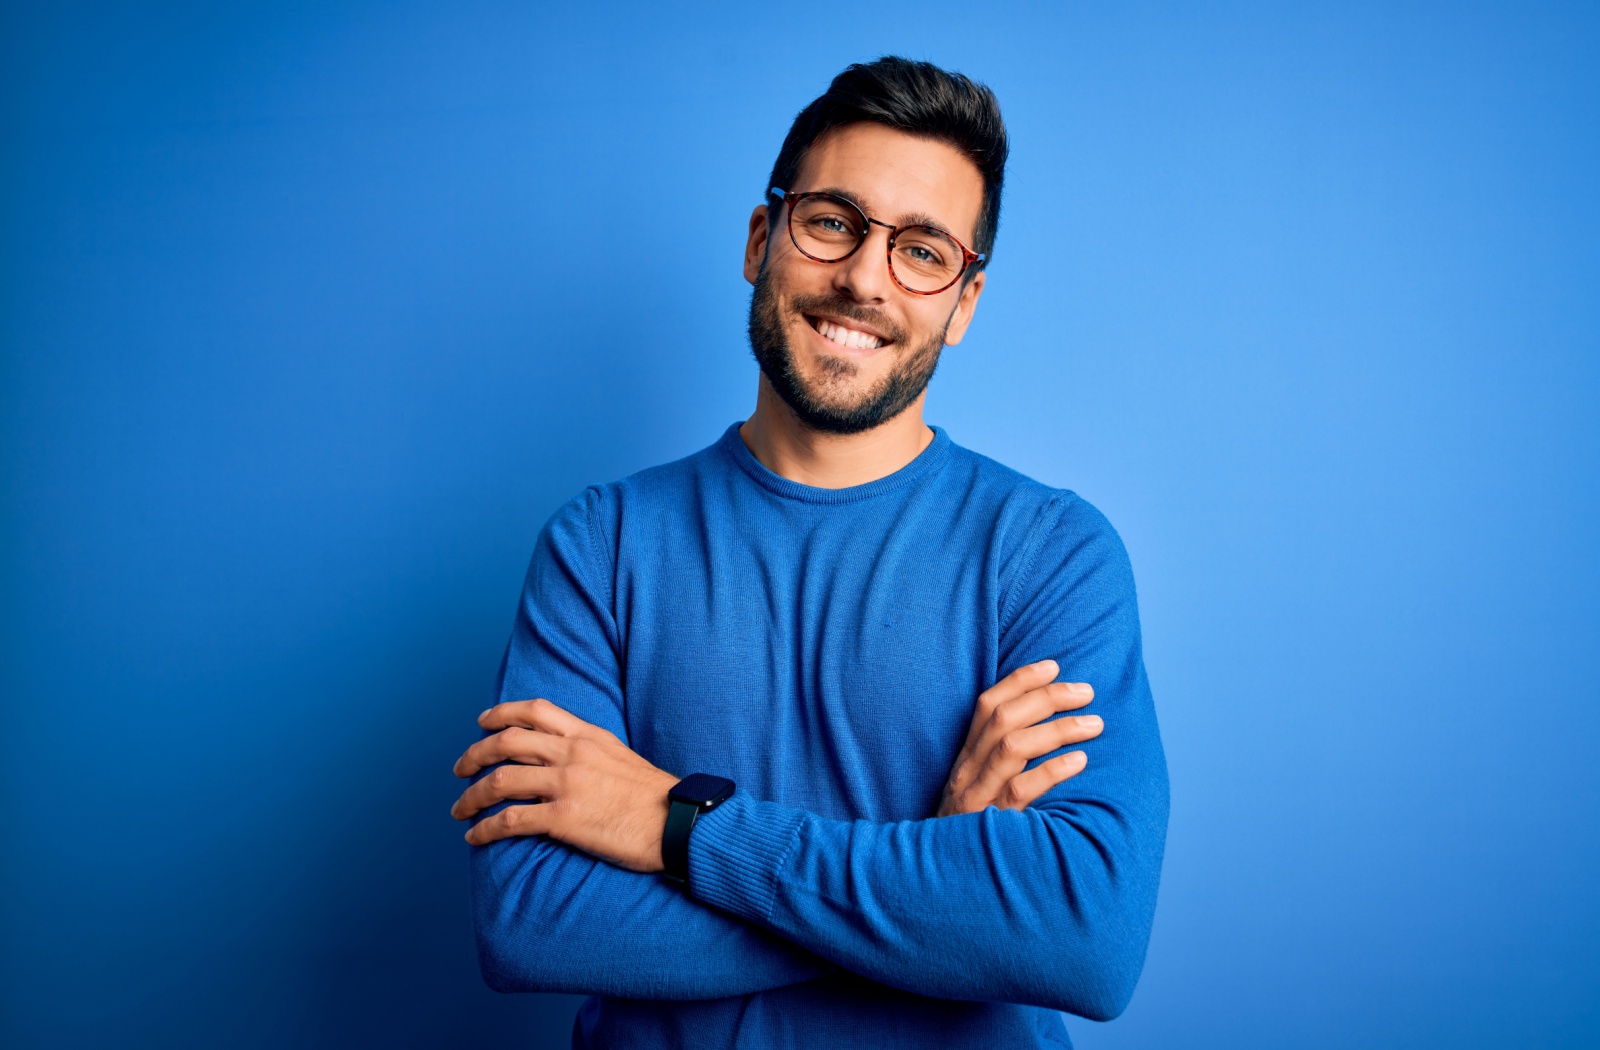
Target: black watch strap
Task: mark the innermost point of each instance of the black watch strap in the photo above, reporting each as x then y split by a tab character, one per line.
694	795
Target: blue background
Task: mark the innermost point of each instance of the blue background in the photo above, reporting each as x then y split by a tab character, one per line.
312	314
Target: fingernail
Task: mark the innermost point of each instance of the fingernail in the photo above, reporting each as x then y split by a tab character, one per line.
1091	722
1045	663
1080	689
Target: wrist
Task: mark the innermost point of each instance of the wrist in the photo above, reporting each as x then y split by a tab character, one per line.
690	799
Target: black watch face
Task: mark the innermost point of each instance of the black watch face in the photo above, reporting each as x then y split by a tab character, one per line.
703	789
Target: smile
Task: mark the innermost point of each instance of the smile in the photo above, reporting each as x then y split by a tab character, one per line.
837	332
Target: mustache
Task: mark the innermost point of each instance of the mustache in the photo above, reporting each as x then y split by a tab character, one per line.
837	305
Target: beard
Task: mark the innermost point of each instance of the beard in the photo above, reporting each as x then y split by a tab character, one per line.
890	397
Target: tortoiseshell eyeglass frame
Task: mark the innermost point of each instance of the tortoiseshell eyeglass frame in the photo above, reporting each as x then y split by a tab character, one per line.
969	257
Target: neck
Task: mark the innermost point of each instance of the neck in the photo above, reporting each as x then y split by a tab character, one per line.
790	449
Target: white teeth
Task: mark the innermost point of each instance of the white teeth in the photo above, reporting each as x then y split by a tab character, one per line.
848	336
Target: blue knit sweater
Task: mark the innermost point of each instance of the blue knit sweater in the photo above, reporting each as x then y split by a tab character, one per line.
824	648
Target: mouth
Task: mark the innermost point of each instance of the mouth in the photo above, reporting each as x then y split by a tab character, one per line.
844	335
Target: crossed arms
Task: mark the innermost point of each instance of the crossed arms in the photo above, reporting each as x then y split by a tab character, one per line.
1032	885
595	794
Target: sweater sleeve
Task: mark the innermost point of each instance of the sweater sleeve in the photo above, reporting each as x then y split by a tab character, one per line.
1050	906
552	919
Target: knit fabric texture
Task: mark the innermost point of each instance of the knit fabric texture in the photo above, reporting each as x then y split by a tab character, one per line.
825	648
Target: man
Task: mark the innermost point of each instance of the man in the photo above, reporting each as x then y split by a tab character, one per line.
849	630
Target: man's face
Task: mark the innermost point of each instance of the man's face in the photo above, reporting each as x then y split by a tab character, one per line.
844	346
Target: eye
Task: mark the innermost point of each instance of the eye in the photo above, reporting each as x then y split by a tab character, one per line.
827	220
831	226
925	249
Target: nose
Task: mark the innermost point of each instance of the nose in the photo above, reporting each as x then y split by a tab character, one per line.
864	276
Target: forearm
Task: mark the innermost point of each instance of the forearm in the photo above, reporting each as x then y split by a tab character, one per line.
551	919
1050	906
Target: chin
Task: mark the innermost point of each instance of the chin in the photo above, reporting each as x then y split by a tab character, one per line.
834	379
845	402
846	390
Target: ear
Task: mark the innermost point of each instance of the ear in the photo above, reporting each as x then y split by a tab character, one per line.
962	315
755	245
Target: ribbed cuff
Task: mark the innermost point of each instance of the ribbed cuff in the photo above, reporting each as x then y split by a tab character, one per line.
734	853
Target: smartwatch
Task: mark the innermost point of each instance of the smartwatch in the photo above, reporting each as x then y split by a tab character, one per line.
694	795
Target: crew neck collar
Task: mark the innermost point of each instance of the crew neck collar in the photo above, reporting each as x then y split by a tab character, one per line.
926	461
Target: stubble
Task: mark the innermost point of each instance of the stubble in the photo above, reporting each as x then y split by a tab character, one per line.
826	404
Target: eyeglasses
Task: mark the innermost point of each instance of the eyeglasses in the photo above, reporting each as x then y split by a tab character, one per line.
924	260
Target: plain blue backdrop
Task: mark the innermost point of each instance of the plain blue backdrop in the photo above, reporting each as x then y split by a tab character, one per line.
312	313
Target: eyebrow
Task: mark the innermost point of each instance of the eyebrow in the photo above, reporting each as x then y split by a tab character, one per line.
911	218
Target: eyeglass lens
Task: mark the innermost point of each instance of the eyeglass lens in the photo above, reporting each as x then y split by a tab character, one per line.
829	228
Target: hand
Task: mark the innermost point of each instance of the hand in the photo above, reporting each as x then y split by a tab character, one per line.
1009	730
588	788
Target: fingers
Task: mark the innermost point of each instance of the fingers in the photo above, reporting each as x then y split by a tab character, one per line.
529	732
534	714
1024	789
1013	751
1030	708
1024	679
510	822
511	745
544	716
1039	704
507	782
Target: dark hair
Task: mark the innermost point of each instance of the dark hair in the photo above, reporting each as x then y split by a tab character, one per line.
918	98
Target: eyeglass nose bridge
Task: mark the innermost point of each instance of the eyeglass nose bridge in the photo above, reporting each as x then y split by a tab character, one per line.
866	231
